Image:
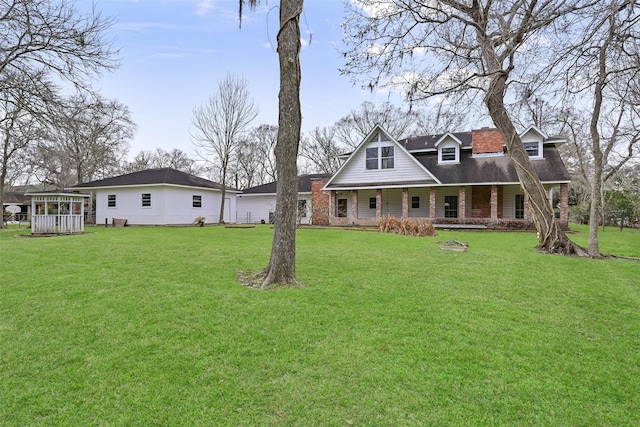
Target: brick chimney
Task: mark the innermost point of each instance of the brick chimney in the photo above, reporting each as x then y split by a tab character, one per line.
486	140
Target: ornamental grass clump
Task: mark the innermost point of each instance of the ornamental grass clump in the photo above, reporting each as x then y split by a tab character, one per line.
406	226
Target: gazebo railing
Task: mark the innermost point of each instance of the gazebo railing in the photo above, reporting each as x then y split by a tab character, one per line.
49	224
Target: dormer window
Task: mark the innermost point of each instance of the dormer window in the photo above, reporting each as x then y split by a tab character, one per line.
380	158
449	153
533	148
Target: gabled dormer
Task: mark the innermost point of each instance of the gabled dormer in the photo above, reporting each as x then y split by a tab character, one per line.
448	149
380	159
533	138
380	153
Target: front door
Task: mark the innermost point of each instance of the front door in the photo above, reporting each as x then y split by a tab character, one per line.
342	208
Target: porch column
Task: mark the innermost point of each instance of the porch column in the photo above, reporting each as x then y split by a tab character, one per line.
354	204
432	202
494	203
405	203
462	202
332	205
564	205
378	203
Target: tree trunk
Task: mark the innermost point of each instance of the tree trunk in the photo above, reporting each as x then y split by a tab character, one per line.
282	265
551	239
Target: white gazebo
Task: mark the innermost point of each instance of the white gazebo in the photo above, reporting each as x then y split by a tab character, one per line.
57	212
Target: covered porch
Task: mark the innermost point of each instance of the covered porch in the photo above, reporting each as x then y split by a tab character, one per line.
490	206
57	213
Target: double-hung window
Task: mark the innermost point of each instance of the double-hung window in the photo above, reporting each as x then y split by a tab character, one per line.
372	158
197	201
415	202
380	158
533	148
111	201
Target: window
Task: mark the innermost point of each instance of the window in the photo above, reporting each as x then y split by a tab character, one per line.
533	148
197	201
448	154
451	206
387	157
372	158
380	158
372	202
519	206
415	202
302	208
111	201
146	200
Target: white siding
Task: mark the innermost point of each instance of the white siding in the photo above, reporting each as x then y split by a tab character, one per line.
364	211
509	200
169	205
255	208
406	168
423	210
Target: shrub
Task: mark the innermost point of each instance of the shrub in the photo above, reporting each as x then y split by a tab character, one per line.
406	226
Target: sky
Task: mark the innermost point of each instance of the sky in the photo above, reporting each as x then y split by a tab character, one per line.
174	53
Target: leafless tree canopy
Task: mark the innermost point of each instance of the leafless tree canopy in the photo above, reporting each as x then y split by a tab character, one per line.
220	124
88	139
321	149
55	36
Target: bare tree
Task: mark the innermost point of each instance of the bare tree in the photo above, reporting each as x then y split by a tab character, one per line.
19	128
460	48
220	125
352	128
322	150
44	37
175	159
56	36
604	69
87	139
254	160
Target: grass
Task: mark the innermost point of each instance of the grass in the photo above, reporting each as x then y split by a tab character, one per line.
148	326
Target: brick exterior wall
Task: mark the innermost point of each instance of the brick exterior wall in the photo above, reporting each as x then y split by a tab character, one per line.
319	202
486	140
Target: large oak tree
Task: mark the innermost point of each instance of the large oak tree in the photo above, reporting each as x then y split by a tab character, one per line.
461	47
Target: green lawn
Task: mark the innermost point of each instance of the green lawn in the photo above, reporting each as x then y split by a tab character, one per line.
146	326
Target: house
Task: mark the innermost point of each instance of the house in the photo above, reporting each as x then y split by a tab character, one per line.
455	179
18	205
160	197
257	204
